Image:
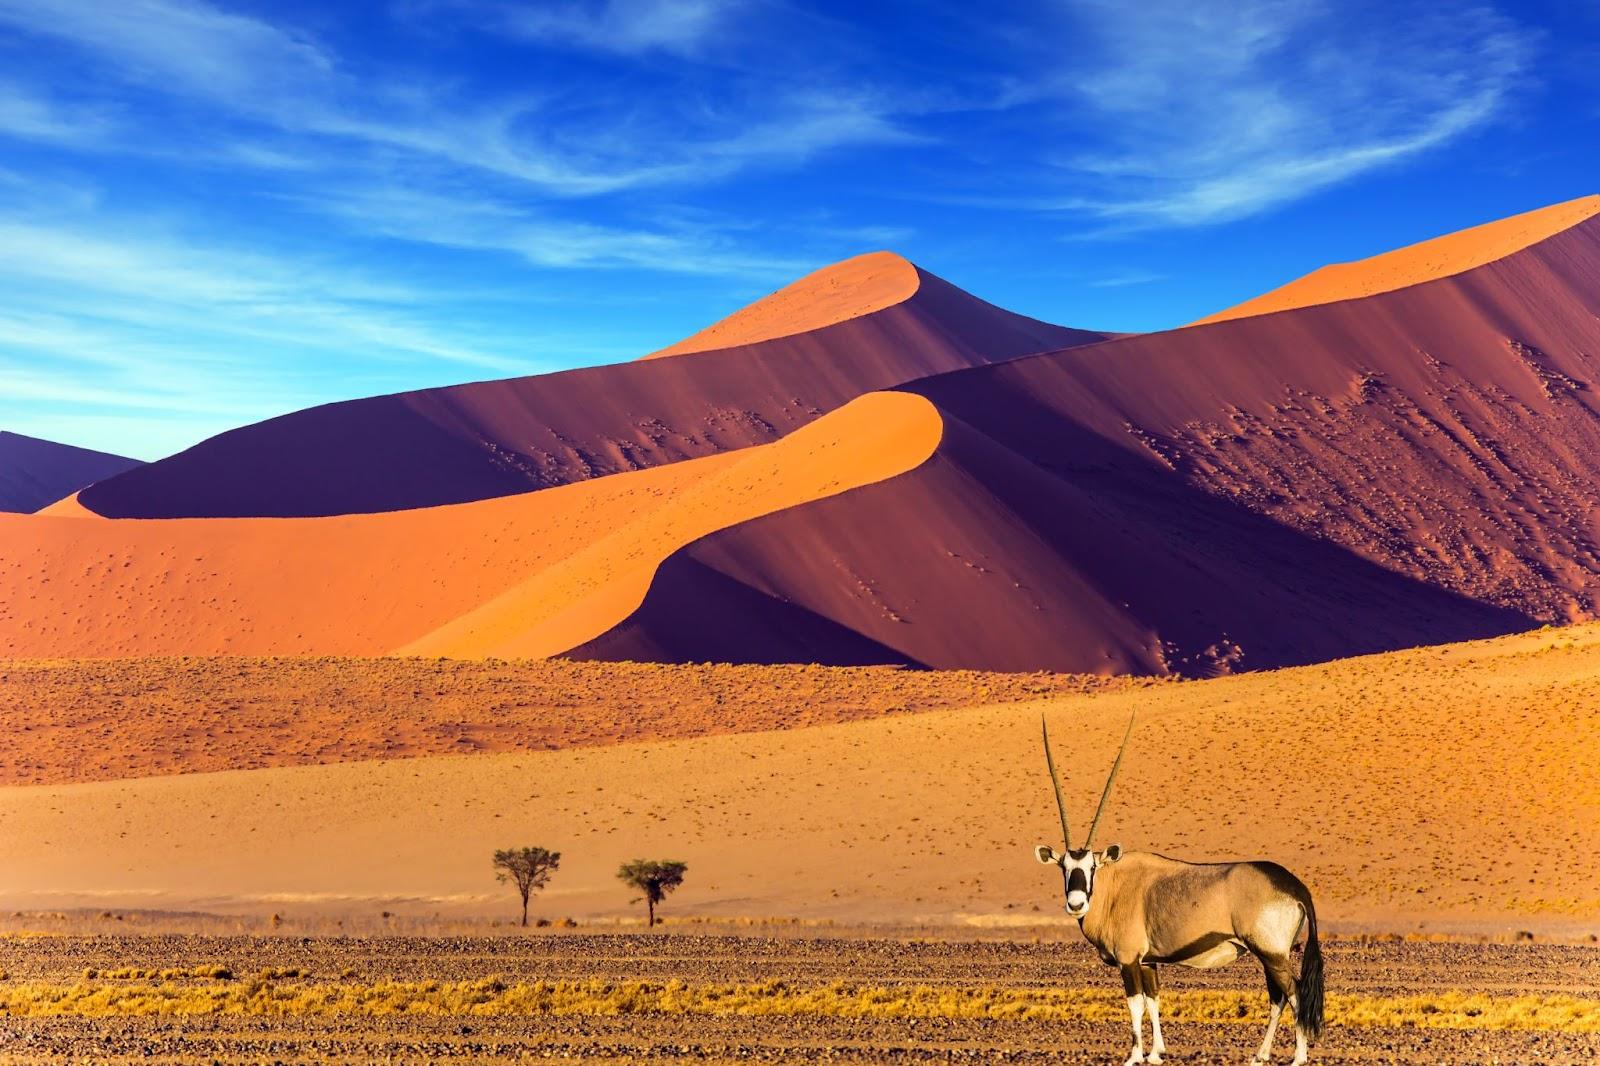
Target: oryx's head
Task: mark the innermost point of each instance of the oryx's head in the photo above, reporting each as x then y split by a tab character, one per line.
1078	865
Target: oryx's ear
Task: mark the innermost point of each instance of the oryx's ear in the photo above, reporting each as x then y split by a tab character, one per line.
1111	854
1046	854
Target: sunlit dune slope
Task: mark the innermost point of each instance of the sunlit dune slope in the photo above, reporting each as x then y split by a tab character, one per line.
1450	787
1428	260
826	297
497	438
1412	467
369	584
35	473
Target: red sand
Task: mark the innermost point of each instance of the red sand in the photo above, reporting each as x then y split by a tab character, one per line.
35	473
498	438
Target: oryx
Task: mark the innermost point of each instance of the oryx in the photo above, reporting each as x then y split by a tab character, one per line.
1140	910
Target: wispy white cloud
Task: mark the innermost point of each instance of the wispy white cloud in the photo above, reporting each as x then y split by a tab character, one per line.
1205	111
250	69
31	115
235	290
485	224
182	45
626	26
1124	278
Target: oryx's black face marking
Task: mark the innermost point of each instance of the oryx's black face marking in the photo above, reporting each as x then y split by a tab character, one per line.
1079	867
1077	880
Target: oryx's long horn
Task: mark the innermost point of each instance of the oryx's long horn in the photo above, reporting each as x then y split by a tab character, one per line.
1098	811
1061	806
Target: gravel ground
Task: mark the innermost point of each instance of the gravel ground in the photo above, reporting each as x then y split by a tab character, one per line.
1373	968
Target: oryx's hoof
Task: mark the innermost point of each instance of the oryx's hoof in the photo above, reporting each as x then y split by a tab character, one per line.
1154	1058
1134	1058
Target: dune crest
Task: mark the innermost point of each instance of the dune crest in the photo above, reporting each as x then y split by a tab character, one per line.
1430	260
825	297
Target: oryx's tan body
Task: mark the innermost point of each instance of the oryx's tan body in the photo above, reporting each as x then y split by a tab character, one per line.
1148	909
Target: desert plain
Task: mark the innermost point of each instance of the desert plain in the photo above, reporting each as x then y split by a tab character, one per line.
788	601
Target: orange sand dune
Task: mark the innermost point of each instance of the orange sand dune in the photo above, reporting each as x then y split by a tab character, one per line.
871	438
825	297
1441	257
368	584
1441	787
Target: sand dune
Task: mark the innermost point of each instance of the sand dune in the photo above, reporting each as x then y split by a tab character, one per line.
1405	468
35	473
1412	467
498	438
834	294
1414	264
457	580
1410	789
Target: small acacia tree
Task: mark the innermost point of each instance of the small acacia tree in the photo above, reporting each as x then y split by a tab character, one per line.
653	877
527	868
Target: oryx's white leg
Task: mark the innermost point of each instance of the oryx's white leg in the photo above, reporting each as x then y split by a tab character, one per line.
1158	1047
1136	1008
1265	1054
1299	1033
1130	985
1150	983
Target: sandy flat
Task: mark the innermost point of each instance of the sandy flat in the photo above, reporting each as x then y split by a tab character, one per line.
1444	787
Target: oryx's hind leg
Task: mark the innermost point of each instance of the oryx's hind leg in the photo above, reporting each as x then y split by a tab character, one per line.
1133	987
1150	984
1279	971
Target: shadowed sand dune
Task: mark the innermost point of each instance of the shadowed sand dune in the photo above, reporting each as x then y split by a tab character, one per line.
497	438
529	574
1411	467
35	473
1409	789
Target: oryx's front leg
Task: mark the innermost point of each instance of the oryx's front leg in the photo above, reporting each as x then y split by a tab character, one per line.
1134	989
1151	986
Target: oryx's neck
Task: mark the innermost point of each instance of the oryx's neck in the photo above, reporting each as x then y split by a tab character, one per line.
1101	903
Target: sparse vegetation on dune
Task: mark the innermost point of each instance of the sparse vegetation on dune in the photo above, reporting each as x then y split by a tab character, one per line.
152	716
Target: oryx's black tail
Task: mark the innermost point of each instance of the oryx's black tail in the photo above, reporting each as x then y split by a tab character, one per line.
1308	988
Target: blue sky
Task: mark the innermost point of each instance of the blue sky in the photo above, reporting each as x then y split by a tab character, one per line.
213	212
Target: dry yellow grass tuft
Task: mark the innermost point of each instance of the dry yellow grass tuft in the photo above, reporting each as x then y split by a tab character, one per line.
496	997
